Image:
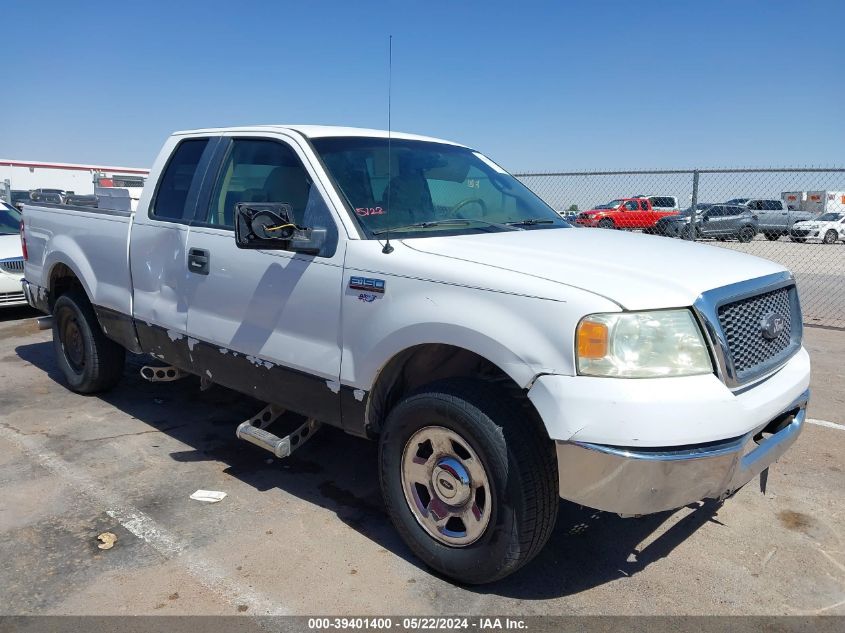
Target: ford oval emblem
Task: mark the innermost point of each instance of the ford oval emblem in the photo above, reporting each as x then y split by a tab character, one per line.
772	325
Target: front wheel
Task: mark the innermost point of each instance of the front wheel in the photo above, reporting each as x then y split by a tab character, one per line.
800	240
830	237
89	360
746	234
607	223
469	479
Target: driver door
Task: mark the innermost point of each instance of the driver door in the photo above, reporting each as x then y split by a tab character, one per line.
267	322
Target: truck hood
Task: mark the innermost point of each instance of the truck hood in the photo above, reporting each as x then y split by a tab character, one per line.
638	272
10	246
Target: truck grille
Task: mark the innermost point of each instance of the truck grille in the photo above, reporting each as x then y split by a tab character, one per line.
754	349
7	298
12	265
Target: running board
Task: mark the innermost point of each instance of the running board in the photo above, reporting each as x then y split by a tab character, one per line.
162	374
254	431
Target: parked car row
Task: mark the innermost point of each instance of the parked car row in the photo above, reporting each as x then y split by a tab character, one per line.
738	218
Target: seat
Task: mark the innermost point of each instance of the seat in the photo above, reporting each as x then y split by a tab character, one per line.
291	185
410	199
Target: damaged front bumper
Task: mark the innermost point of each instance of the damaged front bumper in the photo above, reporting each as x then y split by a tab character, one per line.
633	481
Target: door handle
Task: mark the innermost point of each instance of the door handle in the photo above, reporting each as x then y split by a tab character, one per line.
198	261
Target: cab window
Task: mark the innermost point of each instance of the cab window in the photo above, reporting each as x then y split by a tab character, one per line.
269	171
180	178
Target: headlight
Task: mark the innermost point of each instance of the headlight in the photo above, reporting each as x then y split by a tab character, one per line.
641	345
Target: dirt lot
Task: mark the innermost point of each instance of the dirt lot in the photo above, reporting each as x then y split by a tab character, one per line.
309	535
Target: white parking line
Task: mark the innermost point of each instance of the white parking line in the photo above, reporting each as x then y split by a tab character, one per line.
144	527
830	425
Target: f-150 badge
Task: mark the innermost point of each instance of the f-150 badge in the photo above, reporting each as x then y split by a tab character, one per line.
367	284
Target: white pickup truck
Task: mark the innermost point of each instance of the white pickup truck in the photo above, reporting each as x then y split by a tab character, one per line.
409	290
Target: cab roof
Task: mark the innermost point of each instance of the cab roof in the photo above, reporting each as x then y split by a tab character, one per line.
319	131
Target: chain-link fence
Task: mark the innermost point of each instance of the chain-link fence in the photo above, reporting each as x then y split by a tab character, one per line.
794	216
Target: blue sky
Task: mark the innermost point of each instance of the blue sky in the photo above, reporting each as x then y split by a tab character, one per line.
536	85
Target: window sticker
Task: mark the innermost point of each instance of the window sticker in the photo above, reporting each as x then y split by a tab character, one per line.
365	211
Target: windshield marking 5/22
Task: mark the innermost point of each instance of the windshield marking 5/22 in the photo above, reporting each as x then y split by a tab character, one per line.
421	187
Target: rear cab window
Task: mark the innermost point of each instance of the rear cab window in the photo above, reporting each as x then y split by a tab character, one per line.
180	181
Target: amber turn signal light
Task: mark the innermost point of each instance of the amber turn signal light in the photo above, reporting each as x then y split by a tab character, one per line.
592	339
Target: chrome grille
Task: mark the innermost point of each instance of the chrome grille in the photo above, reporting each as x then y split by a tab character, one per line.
742	323
11	297
12	265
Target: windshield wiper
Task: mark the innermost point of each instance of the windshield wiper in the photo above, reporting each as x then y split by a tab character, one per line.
448	222
531	222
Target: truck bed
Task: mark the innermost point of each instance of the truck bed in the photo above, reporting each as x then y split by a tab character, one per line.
95	240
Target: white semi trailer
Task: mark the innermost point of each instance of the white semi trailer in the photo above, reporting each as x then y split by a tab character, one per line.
815	202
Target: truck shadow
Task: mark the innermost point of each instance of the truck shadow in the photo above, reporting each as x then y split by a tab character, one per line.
338	472
18	313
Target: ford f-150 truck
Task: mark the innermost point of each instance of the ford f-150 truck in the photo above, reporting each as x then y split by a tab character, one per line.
624	213
409	290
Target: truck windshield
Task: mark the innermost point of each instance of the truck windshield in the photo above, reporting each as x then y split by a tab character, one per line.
610	205
424	187
10	220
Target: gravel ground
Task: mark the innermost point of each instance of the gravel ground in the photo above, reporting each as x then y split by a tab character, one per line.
308	535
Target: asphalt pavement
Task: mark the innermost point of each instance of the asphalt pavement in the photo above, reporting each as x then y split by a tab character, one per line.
309	535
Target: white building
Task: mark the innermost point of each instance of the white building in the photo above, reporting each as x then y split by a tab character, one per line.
81	179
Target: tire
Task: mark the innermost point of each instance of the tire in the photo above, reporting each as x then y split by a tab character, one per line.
515	457
800	240
746	234
89	360
772	237
606	223
830	237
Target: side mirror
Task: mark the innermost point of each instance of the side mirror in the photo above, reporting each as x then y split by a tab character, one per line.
271	226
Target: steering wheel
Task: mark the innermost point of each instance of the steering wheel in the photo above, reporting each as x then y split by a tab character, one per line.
464	203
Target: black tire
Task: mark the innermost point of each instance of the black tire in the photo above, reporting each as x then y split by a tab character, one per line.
800	240
830	237
685	233
746	234
606	223
89	360
772	237
518	459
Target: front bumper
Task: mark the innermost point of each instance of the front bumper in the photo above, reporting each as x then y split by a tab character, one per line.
10	291
641	481
588	222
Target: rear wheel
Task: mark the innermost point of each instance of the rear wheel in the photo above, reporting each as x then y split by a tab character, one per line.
746	234
469	480
830	237
89	360
606	223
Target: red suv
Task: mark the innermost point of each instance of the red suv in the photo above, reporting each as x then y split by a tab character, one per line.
624	213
